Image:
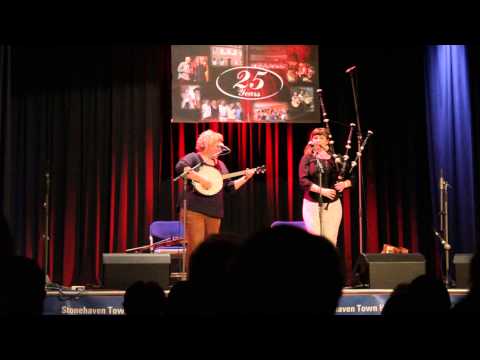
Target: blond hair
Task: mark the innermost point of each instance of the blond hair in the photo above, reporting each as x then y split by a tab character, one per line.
206	138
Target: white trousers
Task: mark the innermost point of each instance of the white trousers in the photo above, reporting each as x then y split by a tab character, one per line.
330	218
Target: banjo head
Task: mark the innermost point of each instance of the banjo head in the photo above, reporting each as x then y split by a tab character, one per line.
214	176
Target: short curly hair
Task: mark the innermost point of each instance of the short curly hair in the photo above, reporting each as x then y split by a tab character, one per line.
206	138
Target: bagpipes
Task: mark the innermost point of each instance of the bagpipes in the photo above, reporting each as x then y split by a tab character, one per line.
342	162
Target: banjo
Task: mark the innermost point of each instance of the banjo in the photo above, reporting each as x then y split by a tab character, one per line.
216	178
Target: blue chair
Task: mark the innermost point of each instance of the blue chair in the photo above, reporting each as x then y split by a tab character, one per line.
165	230
299	224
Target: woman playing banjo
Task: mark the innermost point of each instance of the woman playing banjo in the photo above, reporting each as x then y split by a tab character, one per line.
204	213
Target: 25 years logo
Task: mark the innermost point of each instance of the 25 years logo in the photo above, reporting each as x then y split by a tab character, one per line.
249	83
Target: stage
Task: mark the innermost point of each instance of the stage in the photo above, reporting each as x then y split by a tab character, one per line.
109	302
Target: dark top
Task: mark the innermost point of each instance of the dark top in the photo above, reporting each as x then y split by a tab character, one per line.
215	112
309	173
208	205
199	74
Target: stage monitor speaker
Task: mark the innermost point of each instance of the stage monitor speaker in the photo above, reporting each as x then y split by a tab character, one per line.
122	270
386	271
462	270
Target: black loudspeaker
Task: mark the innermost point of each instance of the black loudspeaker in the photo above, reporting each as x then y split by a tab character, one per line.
386	271
122	270
462	270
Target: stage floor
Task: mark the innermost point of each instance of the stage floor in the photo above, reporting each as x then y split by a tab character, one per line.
109	302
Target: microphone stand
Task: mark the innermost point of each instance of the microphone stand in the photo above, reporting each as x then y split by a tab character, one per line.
46	235
49	285
320	201
183	176
444	226
46	205
359	164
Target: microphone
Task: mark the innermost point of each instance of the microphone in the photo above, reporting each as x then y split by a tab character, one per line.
446	246
224	148
350	69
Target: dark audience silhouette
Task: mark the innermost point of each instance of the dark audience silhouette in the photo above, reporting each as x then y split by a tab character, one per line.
286	270
425	294
429	294
144	298
277	270
398	302
205	290
23	292
180	299
210	263
6	237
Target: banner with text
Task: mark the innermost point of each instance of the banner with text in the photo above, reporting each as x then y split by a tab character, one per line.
245	83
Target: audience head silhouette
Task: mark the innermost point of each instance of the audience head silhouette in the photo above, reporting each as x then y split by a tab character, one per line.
211	261
5	237
181	299
209	271
285	269
429	294
425	294
144	298
398	302
25	286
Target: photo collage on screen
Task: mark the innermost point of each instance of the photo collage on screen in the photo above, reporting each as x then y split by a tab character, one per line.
244	83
